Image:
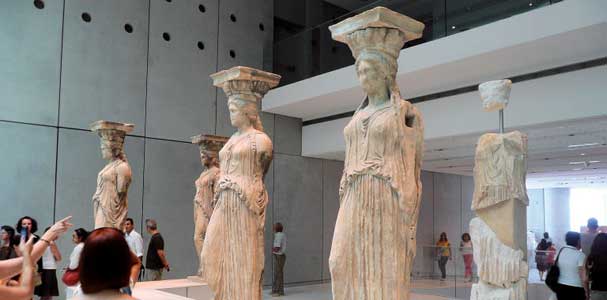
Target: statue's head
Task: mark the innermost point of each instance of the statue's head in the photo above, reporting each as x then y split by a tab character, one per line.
375	38
208	158
210	145
245	87
495	94
244	113
375	71
112	136
112	143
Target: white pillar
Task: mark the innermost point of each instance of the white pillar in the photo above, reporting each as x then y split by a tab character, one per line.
556	201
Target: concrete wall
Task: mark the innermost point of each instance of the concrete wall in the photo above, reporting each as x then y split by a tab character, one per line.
60	73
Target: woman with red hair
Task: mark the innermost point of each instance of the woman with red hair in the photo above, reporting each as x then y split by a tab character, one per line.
105	265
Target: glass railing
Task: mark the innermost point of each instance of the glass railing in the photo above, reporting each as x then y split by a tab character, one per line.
427	277
311	51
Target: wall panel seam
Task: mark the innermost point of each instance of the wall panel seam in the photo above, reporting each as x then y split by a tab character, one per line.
58	114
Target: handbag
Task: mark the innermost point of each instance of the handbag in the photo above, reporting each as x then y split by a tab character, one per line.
552	277
71	277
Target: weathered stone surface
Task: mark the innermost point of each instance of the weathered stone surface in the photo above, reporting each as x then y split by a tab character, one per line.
498	264
210	145
500	194
374	239
500	201
233	250
110	201
495	94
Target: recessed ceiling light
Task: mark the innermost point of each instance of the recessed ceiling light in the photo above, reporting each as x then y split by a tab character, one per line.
453	27
582	154
582	145
530	4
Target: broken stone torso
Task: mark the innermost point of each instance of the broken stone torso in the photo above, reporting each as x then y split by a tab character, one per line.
499	232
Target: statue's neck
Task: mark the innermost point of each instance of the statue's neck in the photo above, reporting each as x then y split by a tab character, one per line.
378	97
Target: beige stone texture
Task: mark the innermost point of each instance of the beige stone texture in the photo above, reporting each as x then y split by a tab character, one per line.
500	201
374	240
209	145
495	94
233	249
110	201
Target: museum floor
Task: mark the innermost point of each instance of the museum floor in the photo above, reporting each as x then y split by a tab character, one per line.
323	292
422	289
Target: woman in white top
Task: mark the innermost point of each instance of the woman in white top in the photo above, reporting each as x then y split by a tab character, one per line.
465	247
279	248
48	289
78	238
571	266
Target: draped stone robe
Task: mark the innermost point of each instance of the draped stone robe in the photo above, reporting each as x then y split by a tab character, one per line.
233	257
374	240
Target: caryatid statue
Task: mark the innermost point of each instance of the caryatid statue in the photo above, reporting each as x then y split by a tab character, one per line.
233	250
205	185
500	202
110	201
380	191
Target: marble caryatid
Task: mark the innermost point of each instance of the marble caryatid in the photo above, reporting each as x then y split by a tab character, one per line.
500	202
232	252
205	186
110	201
380	190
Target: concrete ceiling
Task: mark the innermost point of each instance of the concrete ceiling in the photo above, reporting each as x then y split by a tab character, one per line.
567	153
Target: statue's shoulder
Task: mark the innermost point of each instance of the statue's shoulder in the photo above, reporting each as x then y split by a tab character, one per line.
123	167
263	141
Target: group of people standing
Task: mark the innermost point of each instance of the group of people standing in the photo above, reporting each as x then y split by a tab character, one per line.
443	254
44	278
582	265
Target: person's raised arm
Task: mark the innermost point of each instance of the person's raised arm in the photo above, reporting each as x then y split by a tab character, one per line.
25	289
12	267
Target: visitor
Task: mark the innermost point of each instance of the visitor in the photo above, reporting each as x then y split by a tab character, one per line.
8	247
443	248
589	235
105	265
155	261
596	268
571	267
541	258
24	265
78	237
278	252
465	247
49	288
30	225
547	237
134	240
550	255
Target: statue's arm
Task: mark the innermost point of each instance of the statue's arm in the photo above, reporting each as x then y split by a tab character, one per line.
123	179
265	150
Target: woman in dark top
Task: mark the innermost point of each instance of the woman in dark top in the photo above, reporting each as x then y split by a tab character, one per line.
541	260
596	268
7	250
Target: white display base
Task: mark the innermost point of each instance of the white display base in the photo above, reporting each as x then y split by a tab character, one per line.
193	288
154	291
